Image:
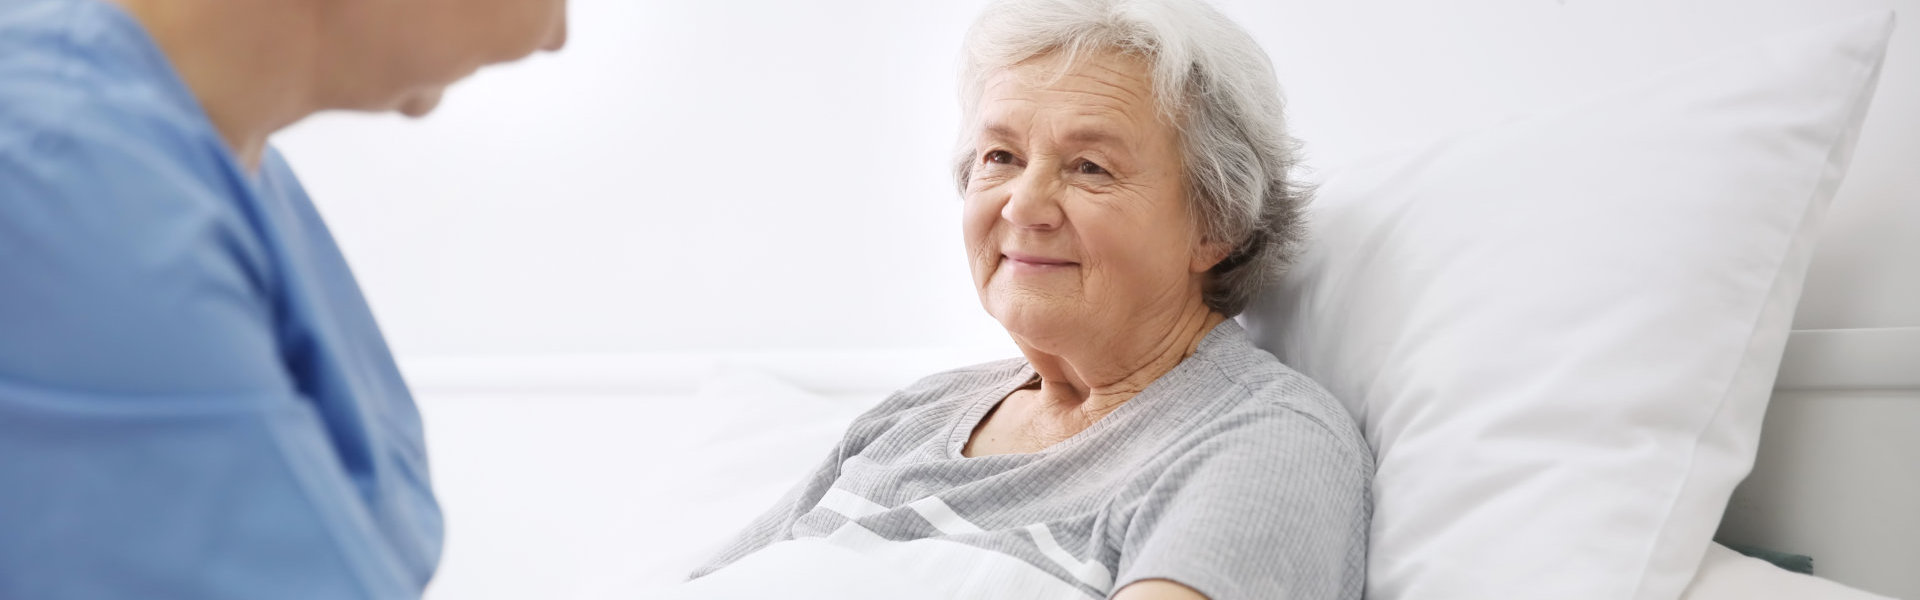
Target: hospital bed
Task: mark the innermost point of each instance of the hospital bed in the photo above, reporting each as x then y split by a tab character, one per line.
609	475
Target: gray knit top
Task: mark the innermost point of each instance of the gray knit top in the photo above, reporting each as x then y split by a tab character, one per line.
1231	474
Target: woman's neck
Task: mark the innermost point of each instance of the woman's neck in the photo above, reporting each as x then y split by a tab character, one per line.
249	63
1090	380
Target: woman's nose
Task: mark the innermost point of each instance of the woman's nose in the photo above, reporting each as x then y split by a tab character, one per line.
1035	201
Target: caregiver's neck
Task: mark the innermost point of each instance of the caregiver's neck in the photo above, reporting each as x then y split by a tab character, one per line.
1095	374
252	64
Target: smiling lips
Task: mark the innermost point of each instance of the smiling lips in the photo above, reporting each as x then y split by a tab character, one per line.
1036	263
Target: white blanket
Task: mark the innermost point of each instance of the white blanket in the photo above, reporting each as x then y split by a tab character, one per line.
853	564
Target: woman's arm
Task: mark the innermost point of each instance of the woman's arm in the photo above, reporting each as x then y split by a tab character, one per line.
1157	589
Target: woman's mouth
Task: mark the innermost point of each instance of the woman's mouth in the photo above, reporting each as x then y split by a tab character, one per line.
1036	263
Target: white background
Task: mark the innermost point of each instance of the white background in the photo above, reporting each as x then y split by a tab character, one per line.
719	176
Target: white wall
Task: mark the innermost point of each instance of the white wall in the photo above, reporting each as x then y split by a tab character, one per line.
772	175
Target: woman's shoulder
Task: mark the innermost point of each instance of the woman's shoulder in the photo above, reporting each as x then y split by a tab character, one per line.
1298	411
1267	400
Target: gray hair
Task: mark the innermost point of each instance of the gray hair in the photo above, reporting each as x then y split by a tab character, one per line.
1211	80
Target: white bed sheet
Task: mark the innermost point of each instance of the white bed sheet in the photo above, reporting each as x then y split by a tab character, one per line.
1728	575
612	495
573	495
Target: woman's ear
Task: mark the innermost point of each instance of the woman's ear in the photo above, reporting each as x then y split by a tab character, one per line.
1208	254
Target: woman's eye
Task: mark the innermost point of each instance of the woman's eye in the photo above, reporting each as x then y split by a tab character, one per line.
999	157
1086	167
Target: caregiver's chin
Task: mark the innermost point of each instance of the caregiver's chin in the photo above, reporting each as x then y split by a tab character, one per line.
257	66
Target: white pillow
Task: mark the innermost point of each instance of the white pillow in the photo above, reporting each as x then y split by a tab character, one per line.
1728	575
1560	333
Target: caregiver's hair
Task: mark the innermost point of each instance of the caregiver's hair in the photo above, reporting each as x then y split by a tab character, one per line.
1211	80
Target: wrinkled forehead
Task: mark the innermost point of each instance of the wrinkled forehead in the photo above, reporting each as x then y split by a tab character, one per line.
1108	66
1096	86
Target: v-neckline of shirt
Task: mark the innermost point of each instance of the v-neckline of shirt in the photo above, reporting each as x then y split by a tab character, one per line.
964	424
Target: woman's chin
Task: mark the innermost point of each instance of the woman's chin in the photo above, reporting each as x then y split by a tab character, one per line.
1032	323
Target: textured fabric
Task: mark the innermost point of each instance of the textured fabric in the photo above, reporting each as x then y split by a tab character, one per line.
1230	474
195	401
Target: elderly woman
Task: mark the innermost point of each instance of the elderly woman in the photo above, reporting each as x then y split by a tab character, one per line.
1124	169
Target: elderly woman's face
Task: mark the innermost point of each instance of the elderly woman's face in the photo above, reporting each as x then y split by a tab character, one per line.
1076	215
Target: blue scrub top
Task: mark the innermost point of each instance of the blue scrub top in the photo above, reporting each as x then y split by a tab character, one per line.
195	401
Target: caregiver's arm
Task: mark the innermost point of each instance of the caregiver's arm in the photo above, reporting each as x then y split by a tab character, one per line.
152	442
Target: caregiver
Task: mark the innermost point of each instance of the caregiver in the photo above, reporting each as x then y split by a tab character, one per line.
195	401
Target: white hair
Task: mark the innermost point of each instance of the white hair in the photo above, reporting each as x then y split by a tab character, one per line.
1211	80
